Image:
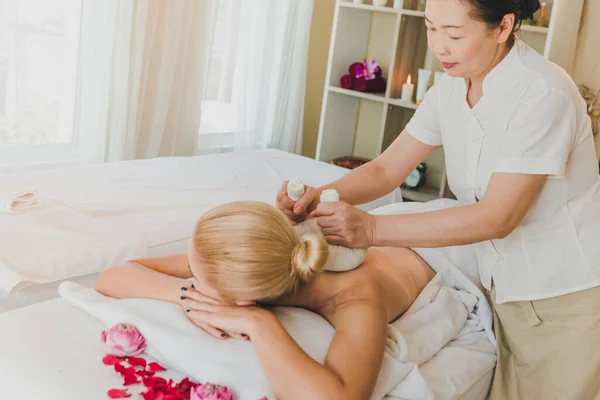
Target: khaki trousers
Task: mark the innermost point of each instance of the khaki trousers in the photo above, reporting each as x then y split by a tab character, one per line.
548	349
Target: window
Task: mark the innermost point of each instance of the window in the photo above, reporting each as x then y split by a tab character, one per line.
39	46
218	119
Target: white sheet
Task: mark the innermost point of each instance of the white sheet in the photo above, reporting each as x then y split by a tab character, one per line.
94	216
446	311
53	349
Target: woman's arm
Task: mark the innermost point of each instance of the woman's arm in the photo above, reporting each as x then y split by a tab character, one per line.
155	278
384	174
507	199
353	360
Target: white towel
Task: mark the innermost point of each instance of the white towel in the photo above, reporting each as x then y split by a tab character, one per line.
20	202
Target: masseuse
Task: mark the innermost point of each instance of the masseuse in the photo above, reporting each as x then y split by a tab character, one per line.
520	158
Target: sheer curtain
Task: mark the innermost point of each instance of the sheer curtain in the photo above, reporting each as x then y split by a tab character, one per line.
151	68
257	75
101	80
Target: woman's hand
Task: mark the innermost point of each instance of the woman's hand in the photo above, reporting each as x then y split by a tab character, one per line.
297	211
343	224
238	321
191	300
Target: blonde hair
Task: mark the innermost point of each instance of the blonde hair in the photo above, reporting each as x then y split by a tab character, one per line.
250	252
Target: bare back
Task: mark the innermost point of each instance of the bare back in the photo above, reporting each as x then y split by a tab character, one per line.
360	304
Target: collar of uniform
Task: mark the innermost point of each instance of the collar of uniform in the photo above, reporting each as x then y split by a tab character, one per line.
498	76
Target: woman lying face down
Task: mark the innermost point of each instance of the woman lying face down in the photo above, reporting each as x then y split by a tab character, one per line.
244	253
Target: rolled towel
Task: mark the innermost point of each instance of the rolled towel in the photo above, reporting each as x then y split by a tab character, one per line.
347	82
356	69
376	85
26	200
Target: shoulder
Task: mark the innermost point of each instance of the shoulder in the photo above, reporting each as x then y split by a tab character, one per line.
545	80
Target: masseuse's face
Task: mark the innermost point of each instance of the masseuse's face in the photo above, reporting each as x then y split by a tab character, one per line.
465	46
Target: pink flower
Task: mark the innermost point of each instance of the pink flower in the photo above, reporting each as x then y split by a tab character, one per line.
210	391
124	340
366	69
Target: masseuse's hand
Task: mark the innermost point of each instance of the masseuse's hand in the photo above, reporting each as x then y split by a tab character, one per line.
192	300
343	224
297	211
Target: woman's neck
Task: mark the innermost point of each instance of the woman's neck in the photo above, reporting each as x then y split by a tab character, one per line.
476	81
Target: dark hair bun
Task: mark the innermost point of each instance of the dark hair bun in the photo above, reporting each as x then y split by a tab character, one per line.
530	7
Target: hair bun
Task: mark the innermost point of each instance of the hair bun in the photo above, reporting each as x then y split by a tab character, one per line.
309	256
530	7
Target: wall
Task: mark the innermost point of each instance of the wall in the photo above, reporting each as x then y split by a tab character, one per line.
318	51
587	63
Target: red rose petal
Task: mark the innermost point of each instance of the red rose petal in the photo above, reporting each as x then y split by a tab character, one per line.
136	362
173	396
131	380
110	359
155	367
148	394
118	394
124	371
155	383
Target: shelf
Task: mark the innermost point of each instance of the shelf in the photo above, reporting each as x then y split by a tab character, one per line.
405	104
379	97
426	193
413	13
533	28
369	7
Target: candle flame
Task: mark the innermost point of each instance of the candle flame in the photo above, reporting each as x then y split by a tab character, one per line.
408	79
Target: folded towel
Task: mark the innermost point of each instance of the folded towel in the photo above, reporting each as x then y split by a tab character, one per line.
20	202
346	82
376	85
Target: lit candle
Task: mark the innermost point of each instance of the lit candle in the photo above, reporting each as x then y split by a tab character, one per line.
408	89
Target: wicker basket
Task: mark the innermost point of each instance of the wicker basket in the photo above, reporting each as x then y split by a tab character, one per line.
349	162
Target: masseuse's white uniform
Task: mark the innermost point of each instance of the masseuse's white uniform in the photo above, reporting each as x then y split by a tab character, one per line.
530	120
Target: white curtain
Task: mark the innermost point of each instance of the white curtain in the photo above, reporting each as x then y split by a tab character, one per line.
101	80
257	76
141	77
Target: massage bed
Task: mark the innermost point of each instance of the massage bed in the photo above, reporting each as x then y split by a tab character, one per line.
94	216
52	350
50	344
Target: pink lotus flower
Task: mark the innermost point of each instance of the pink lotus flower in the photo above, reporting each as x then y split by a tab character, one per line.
211	391
124	340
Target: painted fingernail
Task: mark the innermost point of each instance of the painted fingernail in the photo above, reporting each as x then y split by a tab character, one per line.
184	289
187	310
182	297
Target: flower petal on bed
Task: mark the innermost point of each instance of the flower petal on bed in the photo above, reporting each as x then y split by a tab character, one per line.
118	394
136	362
155	367
110	359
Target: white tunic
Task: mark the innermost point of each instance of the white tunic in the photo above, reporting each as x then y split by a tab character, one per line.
530	120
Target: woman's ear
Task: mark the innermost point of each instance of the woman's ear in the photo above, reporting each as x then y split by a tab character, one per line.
506	28
245	303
